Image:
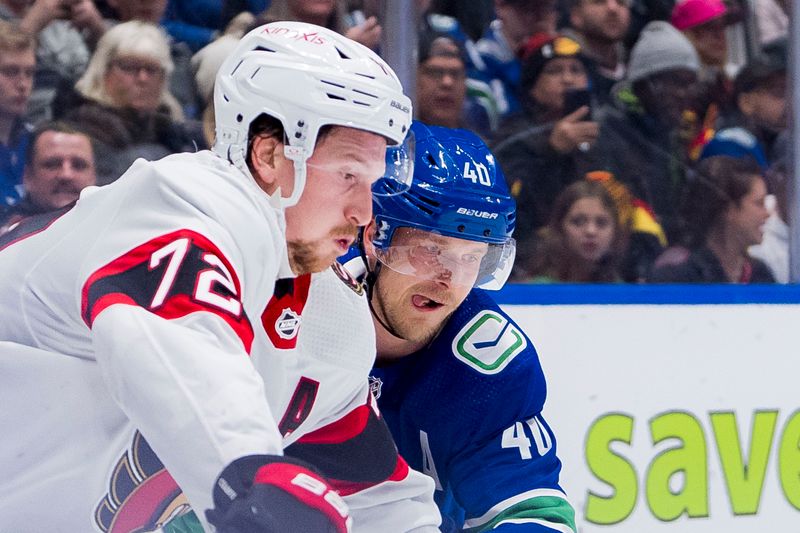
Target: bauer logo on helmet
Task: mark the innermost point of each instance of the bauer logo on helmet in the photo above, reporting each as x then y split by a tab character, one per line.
401	107
476	213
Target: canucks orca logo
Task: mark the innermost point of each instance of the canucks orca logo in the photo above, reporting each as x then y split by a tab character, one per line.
287	324
142	496
488	342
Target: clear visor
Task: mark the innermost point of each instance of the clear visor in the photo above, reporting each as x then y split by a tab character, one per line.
344	174
432	257
399	168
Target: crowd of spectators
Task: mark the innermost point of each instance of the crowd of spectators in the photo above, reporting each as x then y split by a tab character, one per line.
638	146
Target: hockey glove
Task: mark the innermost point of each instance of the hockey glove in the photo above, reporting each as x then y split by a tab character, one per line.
275	494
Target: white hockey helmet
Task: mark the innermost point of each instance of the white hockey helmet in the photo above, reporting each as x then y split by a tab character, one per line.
307	77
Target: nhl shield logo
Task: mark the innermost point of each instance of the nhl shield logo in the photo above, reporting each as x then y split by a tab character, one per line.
375	385
287	324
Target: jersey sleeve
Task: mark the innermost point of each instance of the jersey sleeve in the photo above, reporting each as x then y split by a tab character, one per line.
510	479
499	456
171	331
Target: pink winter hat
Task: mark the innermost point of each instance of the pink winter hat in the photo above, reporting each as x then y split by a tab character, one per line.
690	13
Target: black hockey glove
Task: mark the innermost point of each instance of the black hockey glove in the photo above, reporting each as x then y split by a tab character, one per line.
275	494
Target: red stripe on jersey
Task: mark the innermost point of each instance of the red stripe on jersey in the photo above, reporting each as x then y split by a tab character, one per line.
171	304
281	318
400	471
346	488
108	300
346	428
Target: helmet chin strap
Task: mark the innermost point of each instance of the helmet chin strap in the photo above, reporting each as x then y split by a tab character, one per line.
298	156
369	282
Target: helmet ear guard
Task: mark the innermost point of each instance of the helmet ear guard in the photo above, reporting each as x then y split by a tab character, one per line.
306	77
458	192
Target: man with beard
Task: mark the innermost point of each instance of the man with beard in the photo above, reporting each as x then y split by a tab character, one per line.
139	311
59	165
600	27
459	384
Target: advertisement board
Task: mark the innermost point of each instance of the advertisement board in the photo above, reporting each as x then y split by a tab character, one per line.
672	416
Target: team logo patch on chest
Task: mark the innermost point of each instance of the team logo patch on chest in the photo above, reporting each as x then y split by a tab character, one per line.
488	343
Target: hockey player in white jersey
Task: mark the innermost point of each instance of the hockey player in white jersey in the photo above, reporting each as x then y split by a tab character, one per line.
162	279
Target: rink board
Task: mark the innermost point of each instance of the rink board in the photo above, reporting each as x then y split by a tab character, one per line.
676	408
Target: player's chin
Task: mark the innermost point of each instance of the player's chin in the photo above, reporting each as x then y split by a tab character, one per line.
308	257
425	325
312	264
424	332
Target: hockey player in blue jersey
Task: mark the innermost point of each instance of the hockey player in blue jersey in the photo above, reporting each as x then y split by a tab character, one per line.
458	382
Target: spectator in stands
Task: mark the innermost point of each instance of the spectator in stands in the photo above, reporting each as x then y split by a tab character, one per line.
761	111
499	47
329	14
17	64
724	212
645	236
480	113
541	149
62	52
738	142
60	164
198	22
181	83
128	109
600	27
441	81
774	248
642	141
583	242
704	23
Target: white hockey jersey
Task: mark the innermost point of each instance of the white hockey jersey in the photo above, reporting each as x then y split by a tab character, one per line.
121	321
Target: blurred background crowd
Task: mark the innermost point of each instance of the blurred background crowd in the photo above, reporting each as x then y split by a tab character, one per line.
644	140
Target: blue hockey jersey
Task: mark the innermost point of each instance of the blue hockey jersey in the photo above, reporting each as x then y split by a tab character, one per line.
466	410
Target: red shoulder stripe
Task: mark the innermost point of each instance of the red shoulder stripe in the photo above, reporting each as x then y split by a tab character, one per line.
171	276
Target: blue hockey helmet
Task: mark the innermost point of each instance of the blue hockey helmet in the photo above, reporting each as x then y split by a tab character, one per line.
458	191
